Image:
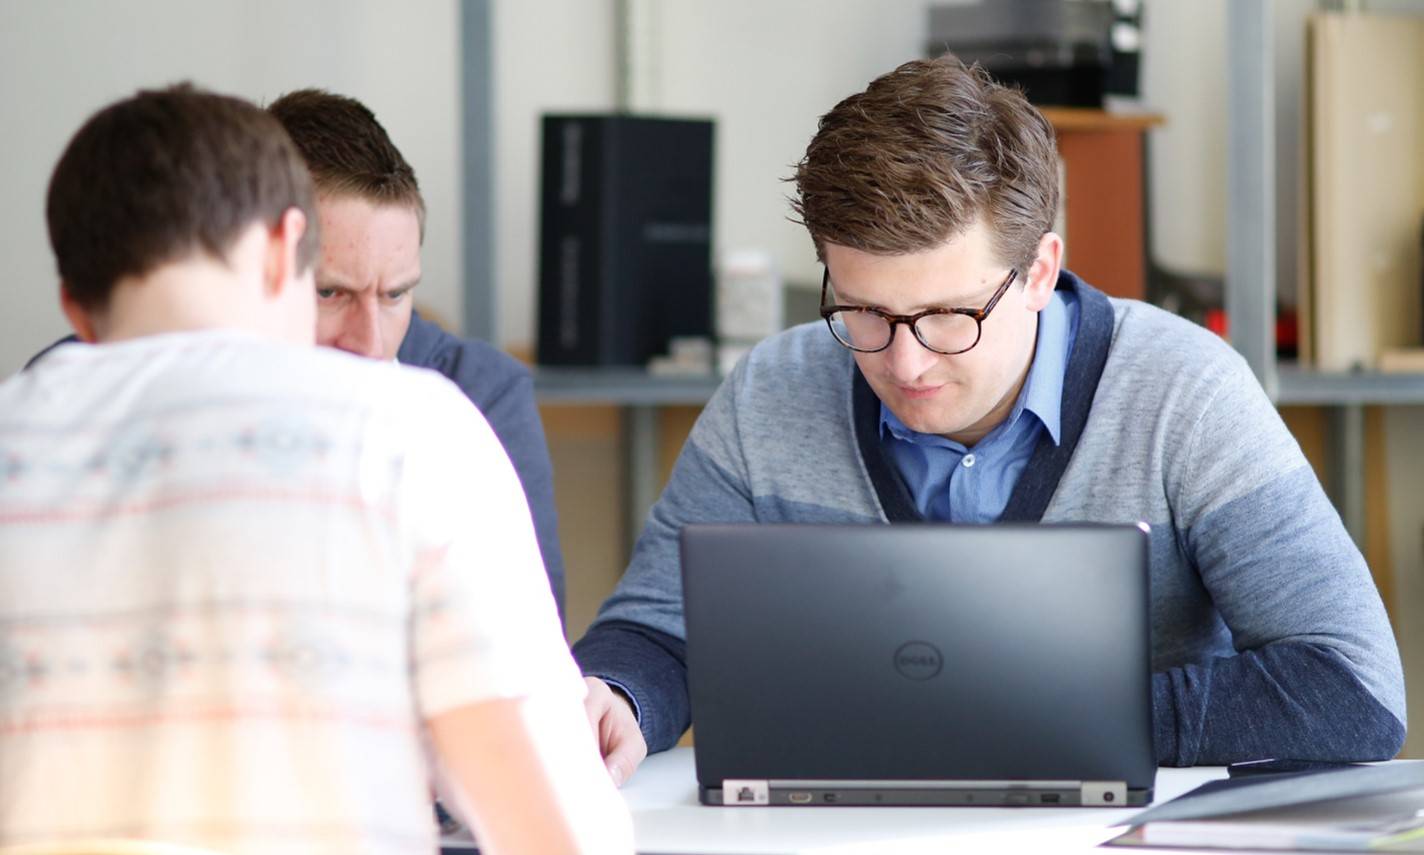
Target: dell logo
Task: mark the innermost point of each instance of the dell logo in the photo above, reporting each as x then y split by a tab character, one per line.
918	660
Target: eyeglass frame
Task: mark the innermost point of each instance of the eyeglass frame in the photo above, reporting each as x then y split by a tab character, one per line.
912	320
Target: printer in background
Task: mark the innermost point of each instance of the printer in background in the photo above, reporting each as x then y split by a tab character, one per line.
1069	53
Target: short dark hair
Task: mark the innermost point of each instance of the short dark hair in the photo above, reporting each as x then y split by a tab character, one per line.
919	155
166	173
347	150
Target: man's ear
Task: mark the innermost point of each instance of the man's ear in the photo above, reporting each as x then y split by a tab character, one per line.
1042	276
281	263
79	317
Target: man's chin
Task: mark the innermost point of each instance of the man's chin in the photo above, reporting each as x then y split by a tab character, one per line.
919	418
922	409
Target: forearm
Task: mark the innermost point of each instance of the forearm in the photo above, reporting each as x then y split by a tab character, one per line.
526	775
651	666
1287	700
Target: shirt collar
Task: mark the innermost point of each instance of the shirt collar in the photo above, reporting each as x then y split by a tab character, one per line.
1043	390
1042	393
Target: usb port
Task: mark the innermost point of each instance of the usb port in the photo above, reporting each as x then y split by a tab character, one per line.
1049	798
830	798
800	798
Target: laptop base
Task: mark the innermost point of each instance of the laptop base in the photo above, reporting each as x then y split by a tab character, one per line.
752	793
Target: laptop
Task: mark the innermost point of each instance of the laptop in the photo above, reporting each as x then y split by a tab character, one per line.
919	664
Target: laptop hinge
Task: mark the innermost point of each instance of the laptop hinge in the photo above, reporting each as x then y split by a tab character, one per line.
1104	793
745	793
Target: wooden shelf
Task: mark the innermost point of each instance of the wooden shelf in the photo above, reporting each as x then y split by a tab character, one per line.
1104	197
1065	119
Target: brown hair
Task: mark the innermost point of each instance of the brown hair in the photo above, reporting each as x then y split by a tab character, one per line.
165	173
347	150
925	150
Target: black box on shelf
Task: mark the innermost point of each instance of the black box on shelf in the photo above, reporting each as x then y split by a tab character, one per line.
625	245
1061	52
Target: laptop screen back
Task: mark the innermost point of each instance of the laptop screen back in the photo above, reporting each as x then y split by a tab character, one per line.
919	652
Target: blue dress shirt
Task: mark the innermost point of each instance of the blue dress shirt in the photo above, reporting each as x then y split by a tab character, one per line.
952	483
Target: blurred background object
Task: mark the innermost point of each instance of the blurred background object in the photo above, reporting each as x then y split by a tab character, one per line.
749	303
1066	53
625	243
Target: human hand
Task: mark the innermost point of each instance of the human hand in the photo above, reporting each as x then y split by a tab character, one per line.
620	741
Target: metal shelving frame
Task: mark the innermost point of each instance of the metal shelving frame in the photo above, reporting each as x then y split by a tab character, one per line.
1251	266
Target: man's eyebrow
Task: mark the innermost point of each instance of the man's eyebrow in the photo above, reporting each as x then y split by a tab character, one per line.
404	287
846	300
334	285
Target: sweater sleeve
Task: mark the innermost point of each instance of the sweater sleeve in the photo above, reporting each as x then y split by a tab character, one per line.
650	666
1317	672
638	639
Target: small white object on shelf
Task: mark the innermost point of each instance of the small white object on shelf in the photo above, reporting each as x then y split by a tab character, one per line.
687	356
749	303
748	296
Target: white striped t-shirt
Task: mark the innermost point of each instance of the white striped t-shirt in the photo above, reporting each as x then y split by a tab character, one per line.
235	577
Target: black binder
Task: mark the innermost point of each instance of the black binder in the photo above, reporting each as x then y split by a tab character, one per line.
625	237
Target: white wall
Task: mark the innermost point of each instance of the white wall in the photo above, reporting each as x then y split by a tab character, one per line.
767	72
549	56
764	70
60	61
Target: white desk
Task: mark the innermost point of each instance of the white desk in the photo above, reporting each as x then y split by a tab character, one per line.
669	821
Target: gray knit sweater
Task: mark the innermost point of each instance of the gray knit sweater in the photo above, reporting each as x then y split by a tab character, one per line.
1268	635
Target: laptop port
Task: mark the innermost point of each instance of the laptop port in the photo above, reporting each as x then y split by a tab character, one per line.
800	798
1049	798
830	798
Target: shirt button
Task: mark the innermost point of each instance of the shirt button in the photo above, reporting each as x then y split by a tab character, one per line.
968	461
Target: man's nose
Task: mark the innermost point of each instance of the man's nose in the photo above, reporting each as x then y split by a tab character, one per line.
361	331
906	358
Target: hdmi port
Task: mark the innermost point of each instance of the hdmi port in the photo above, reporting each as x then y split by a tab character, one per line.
800	798
1048	798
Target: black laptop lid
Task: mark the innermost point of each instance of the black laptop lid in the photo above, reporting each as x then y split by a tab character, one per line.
919	652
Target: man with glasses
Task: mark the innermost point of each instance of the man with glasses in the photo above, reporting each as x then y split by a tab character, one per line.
967	378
